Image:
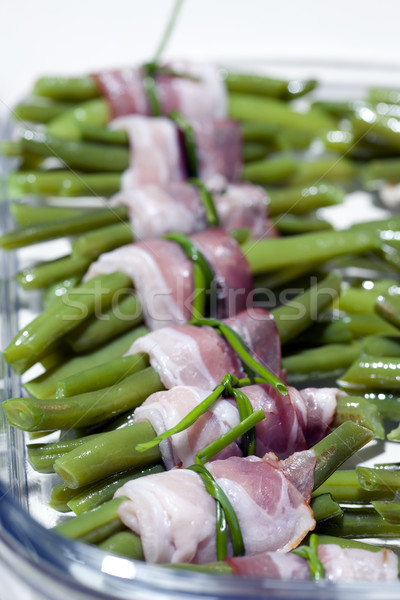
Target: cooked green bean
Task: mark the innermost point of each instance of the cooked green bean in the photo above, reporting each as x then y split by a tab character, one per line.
32	214
124	543
103	240
108	454
45	386
72	226
324	507
100	377
362	325
292	225
344	487
33	414
388	510
64	315
59	288
46	273
330	358
302	200
362	299
43	456
378	479
359	524
372	372
388	307
39	110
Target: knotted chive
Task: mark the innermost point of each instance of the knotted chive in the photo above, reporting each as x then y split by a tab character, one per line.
208	202
189	140
250	365
310	553
226	386
202	273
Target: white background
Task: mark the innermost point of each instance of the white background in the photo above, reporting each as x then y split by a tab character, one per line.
75	36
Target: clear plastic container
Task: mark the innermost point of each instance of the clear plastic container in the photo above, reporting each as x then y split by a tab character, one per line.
37	564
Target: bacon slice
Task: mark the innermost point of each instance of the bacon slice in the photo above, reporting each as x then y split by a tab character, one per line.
155	211
156	155
172	512
340	564
354	564
199	356
280	432
201	94
165	409
163	275
271	565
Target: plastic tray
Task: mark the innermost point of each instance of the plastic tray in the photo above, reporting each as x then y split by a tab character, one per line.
35	563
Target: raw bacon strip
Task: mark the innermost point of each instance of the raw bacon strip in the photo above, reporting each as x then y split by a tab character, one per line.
164	410
155	211
201	95
199	356
172	512
155	149
162	275
124	91
233	279
340	564
189	355
281	432
321	407
218	150
354	564
271	565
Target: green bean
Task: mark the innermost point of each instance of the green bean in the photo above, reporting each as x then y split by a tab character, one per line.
254	151
292	225
72	89
336	448
64	183
37	182
362	325
388	510
45	385
372	372
296	315
338	108
94	495
335	170
77	155
344	487
42	275
68	124
271	111
362	299
102	240
387	95
271	254
380	345
63	316
39	110
332	357
333	332
378	479
302	200
278	278
359	524
121	317
60	495
72	226
360	411
255	84
59	288
33	414
43	456
32	214
83	526
272	170
110	453
388	405
124	543
394	434
388	307
100	377
103	134
385	129
324	507
91	184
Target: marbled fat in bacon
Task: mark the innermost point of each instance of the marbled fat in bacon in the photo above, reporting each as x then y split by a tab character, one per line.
156	155
202	94
176	518
340	564
199	356
165	410
155	211
162	275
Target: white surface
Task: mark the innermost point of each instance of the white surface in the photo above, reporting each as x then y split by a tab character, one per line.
82	35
